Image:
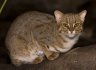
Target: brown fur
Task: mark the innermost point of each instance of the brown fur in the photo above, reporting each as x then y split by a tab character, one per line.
34	31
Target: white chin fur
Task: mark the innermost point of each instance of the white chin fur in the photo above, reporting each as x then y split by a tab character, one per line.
71	35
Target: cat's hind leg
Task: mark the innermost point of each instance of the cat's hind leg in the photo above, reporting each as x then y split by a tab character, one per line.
16	62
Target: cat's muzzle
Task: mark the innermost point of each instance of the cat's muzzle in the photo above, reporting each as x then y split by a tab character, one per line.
72	36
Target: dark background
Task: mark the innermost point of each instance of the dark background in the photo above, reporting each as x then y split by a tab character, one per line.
14	8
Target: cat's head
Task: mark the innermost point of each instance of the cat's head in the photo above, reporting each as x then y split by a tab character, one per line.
70	24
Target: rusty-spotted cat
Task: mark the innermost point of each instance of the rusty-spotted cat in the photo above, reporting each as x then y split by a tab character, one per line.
34	35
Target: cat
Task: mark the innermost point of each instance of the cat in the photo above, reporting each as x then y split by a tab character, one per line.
35	35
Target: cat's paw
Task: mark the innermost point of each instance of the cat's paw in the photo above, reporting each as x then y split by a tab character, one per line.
38	60
53	56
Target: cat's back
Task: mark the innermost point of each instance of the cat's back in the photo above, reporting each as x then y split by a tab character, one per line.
31	23
29	20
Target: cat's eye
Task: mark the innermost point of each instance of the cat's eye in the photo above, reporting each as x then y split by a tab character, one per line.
77	24
65	25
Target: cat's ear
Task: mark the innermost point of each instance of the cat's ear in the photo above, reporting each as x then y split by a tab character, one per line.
58	15
83	14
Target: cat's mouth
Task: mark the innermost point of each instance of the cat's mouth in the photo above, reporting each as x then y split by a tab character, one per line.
71	36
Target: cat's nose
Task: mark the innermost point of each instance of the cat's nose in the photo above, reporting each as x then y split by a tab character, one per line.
71	32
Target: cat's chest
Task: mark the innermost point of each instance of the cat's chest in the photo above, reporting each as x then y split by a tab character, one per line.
66	46
69	43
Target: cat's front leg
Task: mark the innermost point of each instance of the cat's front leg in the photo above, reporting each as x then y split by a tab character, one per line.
51	55
38	60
